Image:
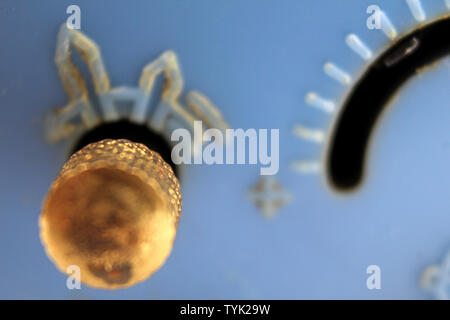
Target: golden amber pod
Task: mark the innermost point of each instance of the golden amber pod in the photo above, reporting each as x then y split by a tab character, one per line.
113	211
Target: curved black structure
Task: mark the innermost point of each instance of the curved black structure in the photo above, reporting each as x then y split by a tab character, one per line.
371	94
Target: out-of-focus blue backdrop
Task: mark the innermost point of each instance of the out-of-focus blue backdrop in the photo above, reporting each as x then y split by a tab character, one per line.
255	60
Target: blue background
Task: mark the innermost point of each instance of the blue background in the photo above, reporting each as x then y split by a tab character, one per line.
255	59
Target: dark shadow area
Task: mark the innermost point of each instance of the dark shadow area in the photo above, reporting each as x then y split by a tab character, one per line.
124	129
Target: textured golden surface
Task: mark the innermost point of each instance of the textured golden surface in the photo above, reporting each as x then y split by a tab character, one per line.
113	211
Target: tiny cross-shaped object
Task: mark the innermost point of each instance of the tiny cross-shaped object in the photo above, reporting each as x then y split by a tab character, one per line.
436	279
268	196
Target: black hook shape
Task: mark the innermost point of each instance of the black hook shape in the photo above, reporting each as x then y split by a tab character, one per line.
347	149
